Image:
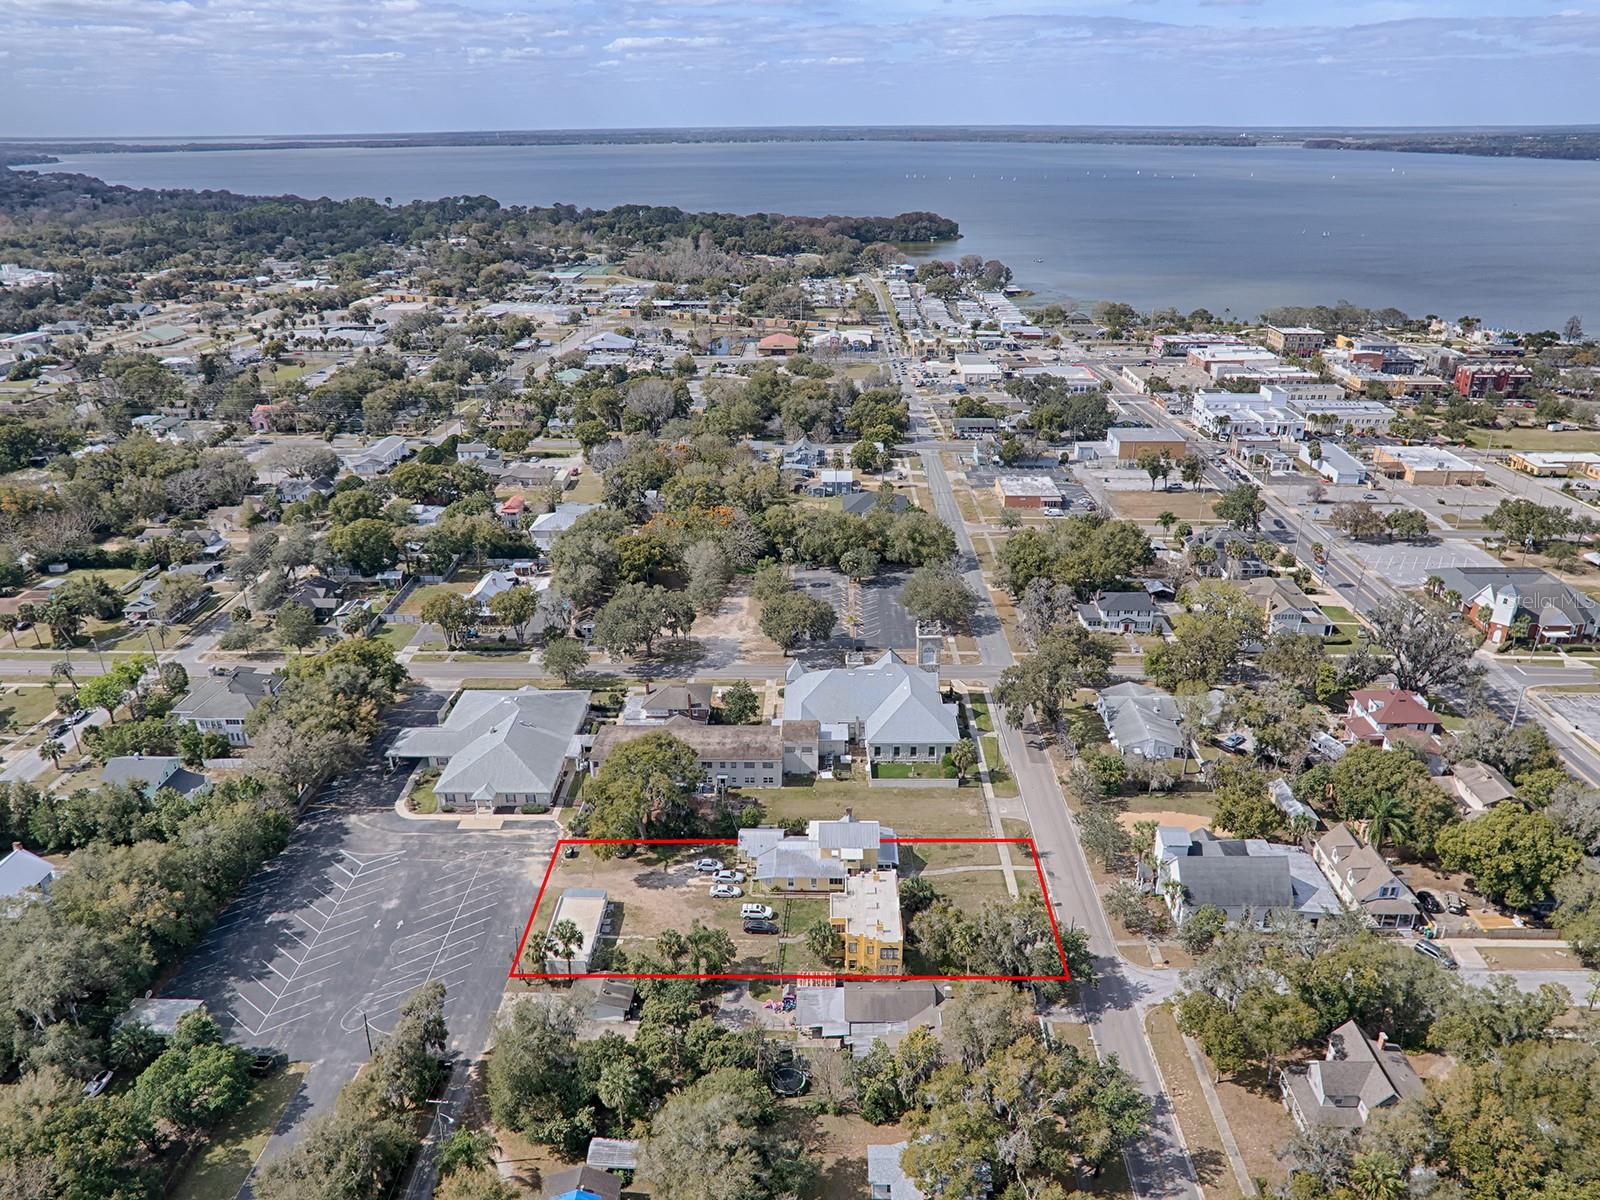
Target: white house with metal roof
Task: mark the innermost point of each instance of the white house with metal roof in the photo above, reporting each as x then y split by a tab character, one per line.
895	710
500	749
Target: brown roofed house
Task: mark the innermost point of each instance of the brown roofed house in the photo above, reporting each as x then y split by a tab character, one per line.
1359	1076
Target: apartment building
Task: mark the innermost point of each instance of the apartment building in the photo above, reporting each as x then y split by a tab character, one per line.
867	916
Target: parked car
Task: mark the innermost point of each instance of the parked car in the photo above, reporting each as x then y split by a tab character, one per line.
760	926
1454	905
708	865
725	891
1232	741
729	877
265	1062
1430	902
756	912
1436	952
98	1084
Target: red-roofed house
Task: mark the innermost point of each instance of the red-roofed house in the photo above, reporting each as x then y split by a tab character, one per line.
1374	713
778	344
511	511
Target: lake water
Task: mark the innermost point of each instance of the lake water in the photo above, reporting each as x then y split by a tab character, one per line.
1513	241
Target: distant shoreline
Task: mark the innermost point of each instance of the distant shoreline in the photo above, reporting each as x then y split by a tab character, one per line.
1577	143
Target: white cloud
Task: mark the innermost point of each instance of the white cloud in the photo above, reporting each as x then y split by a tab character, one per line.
663	42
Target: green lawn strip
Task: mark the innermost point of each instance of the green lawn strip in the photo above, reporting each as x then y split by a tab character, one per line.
1000	777
981	716
220	1170
23	707
911	812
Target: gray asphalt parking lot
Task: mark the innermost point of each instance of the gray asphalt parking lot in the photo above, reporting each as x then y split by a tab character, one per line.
328	939
1410	565
885	624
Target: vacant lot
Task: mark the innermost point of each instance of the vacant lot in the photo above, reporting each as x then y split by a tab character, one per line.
1530	958
653	891
1534	439
911	812
23	707
1147	506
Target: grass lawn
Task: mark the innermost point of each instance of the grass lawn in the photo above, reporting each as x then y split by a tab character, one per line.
220	1170
912	812
981	716
1000	777
912	770
1147	506
1534	439
23	707
423	799
398	636
415	601
590	489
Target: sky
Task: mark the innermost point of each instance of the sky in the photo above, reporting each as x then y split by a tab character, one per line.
130	68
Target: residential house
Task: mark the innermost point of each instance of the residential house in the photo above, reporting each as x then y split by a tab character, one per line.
1143	720
804	455
1358	1076
220	703
585	908
501	749
1364	881
867	917
833	482
1479	787
378	458
886	1178
476	452
820	860
548	526
1500	600
24	875
732	756
895	710
691	700
859	504
1254	882
1120	612
320	594
142	608
1375	713
582	1183
1287	608
860	1015
150	773
1236	556
511	510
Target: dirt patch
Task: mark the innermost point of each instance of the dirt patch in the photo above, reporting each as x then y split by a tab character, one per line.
1189	821
732	633
1147	506
1530	958
1189	1106
1260	1123
838	1145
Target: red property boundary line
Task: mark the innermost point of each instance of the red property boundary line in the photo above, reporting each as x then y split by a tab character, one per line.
555	855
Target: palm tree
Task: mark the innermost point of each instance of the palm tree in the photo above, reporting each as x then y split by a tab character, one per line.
1388	816
1377	1175
28	614
563	941
1166	520
8	624
53	750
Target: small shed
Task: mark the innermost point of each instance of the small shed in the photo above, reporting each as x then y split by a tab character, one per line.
612	1154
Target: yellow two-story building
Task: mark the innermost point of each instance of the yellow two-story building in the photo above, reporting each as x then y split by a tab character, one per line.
867	916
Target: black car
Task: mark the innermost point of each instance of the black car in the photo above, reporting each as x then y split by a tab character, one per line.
1430	903
756	925
265	1062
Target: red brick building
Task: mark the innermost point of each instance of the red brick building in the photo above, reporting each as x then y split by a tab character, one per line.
1479	379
